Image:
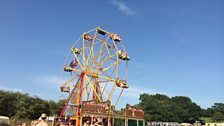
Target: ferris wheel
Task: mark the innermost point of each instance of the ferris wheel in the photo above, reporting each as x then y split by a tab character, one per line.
95	69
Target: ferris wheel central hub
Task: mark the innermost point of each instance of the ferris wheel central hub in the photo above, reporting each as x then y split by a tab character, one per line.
90	74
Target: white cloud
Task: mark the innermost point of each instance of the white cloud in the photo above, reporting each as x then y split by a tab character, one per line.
11	89
123	7
134	92
49	79
45	81
52	81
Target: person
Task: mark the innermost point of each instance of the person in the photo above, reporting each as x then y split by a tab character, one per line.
23	124
34	123
19	124
43	120
87	123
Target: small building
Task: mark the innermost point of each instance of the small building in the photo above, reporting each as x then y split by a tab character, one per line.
4	120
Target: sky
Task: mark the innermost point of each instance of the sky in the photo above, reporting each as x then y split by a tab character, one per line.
176	46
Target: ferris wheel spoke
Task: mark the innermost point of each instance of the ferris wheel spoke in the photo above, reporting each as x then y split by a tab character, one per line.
105	87
116	70
70	80
94	57
92	86
84	47
98	42
85	85
115	45
109	74
76	57
109	51
111	92
105	81
85	88
126	76
106	78
110	66
119	97
89	49
93	41
88	91
86	61
122	46
83	51
107	46
76	73
105	94
91	30
99	88
103	43
105	58
100	52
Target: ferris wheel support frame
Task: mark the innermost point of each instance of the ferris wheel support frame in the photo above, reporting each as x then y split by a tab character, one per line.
70	95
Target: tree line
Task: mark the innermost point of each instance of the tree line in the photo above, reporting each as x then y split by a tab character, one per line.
160	107
18	105
157	107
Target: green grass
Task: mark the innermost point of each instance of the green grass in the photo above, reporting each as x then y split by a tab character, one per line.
209	120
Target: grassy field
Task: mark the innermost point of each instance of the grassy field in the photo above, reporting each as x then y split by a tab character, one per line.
209	120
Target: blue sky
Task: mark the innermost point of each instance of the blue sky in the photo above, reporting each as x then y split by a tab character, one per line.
176	46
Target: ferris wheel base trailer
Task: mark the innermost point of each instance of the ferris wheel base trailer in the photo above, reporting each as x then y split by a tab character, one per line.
95	69
102	113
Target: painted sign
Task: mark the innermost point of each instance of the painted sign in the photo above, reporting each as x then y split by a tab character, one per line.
134	112
94	107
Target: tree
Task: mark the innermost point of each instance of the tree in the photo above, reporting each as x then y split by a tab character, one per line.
22	106
23	102
218	107
38	107
7	103
60	105
193	110
53	107
160	107
218	111
218	116
207	112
